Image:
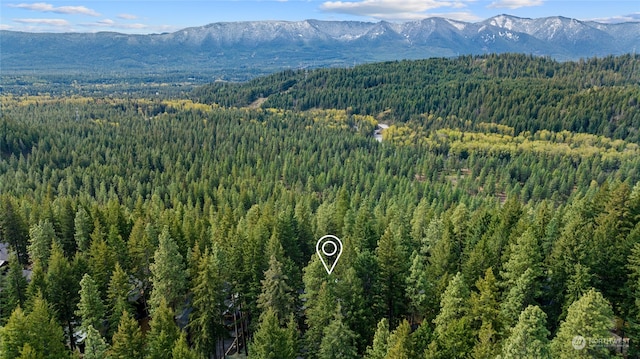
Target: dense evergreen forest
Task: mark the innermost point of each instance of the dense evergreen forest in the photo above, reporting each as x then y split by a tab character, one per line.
499	216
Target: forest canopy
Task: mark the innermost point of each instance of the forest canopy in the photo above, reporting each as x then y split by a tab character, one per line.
498	215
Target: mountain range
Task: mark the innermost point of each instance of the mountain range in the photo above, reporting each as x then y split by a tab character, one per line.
251	48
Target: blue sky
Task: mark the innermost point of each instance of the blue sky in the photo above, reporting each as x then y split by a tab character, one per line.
165	16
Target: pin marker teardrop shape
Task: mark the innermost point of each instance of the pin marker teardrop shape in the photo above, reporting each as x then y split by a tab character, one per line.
329	249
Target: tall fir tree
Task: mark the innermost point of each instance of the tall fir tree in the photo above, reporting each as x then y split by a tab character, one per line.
419	288
338	341
95	347
319	314
380	345
14	334
205	320
39	331
453	334
41	236
401	342
485	316
91	310
82	229
62	290
128	342
529	338
271	341
391	258
168	273
118	297
163	333
181	349
276	292
14	290
591	317
13	229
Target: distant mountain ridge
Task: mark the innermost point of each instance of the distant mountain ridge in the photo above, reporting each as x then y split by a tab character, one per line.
267	46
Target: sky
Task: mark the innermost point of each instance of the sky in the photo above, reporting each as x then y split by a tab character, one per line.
146	16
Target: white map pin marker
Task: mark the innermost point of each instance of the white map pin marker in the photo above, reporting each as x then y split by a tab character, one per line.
329	249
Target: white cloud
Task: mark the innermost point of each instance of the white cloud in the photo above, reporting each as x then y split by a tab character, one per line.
400	10
127	17
45	7
459	16
635	17
5	27
514	4
110	25
49	22
383	8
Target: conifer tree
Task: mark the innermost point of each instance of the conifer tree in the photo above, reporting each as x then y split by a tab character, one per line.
205	322
128	342
271	341
529	337
163	333
38	330
590	317
181	349
518	297
168	273
91	309
101	260
380	345
118	297
401	342
391	261
62	289
95	347
82	229
41	236
485	314
419	289
14	334
13	230
453	337
338	341
319	314
140	253
15	286
276	293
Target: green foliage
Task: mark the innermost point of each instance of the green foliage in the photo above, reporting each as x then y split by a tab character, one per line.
338	341
91	310
95	347
14	287
529	337
540	192
400	342
270	340
452	336
380	346
204	323
590	317
168	273
181	349
41	236
37	334
276	293
118	297
163	333
128	341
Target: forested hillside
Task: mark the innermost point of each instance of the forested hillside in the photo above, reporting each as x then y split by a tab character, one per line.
167	228
597	96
